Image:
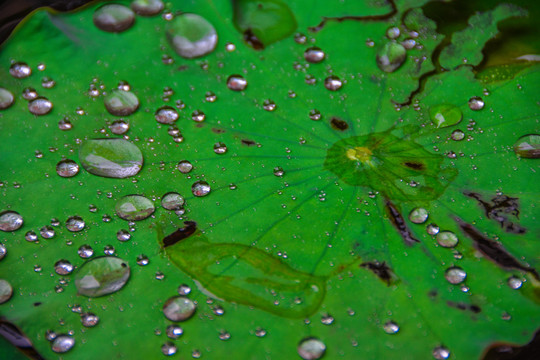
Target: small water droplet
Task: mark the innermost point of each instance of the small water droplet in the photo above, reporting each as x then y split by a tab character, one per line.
220	148
300	38
142	260
457	135
6	98
441	353
6	291
67	168
123	235
114	158
391	56
50	335
62	343
418	215
315	115
311	348
218	310
260	332
230	47
10	221
210	97
314	55
393	32
29	93
408	43
85	251
191	35
172	201
237	83
455	275
327	319
224	335
184	289
528	146
184	166
40	106
200	188
174	331
391	327
432	229
333	83
134	207
198	116
278	171
20	70
447	239
75	223
47	232
89	319
113	18
147	7
101	276
515	282
65	124
178	308
476	103
269	105
168	348
121	103
63	267
109	250
47	82
119	127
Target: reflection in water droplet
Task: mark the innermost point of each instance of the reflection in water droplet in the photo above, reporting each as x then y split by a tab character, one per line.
63	267
6	98
174	331
455	275
115	158
89	319
168	348
10	221
391	327
441	353
445	115
184	289
62	343
220	148
121	103
113	18
178	308
447	239
200	188
314	55
147	7
119	127
85	251
184	166
476	103
166	115
191	35
333	83
391	56
418	215
528	146
20	70
457	135
123	235
134	207
172	201
67	168
101	276
311	348
269	105
75	223
515	282
236	83
40	106
393	32
6	291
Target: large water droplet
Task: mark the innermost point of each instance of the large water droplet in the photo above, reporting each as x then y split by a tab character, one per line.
20	70
441	353
447	239
528	146
115	158
10	221
147	7
476	103
311	348
62	343
237	83
515	282
445	115
67	168
184	166
75	223
178	308
101	276
191	35
455	275
172	201
418	215
333	83
114	18
314	55
6	291
121	103
40	106
166	115
200	188
134	207
63	267
6	98
391	56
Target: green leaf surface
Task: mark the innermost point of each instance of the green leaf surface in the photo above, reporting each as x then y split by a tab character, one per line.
329	207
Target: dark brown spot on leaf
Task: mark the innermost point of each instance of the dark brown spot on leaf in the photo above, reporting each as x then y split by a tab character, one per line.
414	165
248	142
382	270
218	131
501	351
501	208
252	40
338	124
399	223
463	306
180	234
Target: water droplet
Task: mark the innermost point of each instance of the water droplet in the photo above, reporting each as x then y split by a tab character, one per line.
184	166
172	201
47	232
441	353
269	105
63	267
515	282
333	83
166	115
168	348
220	148
67	168
174	331
121	103
184	289
113	18
31	236
528	146
457	135
210	97
445	115
191	35
6	291
178	308
391	56
65	124
85	251
40	106
10	221
142	260
237	83
315	115
89	319
311	348
123	235
476	103
20	70
119	127
418	215
408	43
101	276
75	223
224	335
432	229
29	93
147	7
200	188
218	310
3	251
134	207
278	171
260	332
327	319
447	239
393	32
455	275
391	327
62	343
314	55
300	38
47	82
115	158
6	98
198	116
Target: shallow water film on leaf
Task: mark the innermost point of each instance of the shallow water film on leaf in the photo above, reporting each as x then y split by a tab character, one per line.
271	179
